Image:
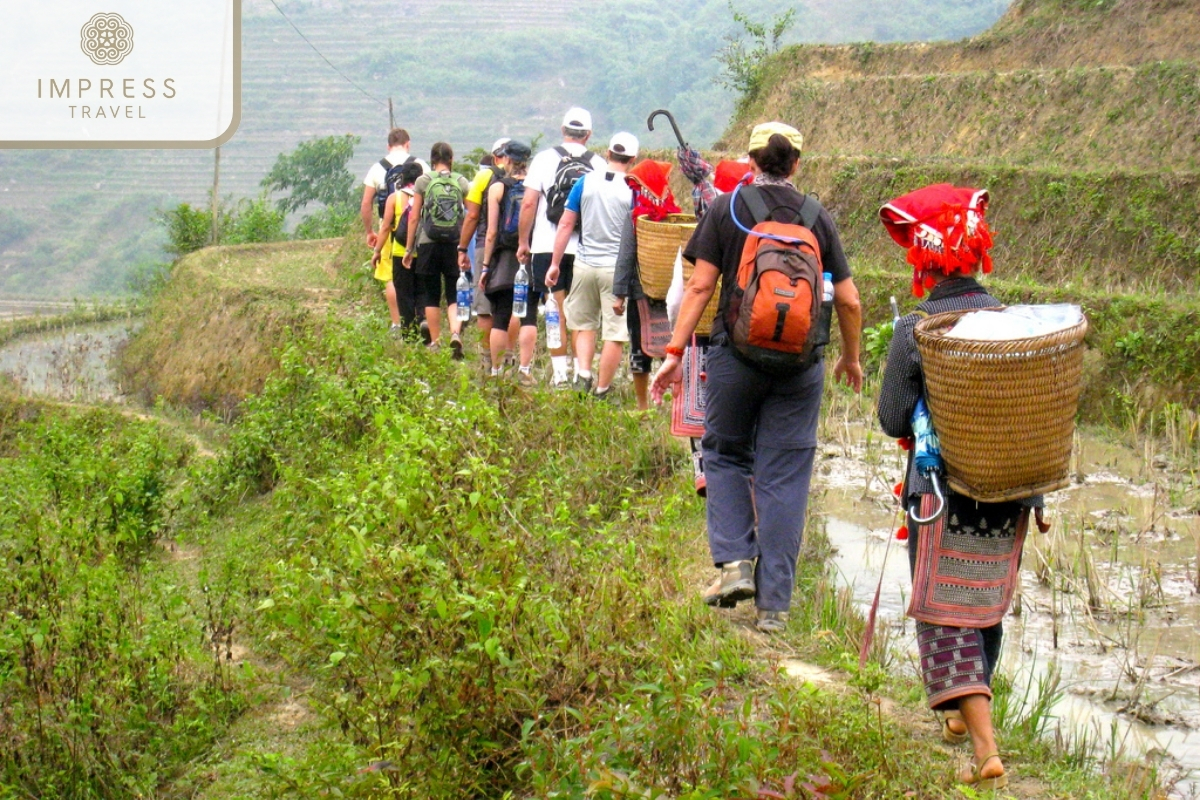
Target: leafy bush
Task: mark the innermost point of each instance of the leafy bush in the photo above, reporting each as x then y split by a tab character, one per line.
98	693
245	222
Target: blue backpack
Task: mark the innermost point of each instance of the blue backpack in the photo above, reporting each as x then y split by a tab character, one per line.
507	235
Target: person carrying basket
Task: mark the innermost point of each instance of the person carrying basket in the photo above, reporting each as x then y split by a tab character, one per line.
958	632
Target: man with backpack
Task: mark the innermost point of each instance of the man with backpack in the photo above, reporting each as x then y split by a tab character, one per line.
434	226
383	179
770	246
601	202
552	175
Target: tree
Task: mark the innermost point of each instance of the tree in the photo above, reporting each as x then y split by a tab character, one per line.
315	172
743	63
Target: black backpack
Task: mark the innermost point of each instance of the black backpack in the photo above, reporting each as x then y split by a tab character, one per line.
391	182
570	169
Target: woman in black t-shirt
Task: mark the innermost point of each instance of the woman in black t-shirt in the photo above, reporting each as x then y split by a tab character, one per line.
760	426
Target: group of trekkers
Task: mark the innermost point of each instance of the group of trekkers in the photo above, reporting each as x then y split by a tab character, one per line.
566	219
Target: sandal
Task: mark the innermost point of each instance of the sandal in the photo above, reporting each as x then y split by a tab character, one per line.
949	735
974	776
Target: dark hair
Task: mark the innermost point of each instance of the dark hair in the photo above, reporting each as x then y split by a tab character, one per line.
397	136
441	153
778	158
487	161
620	159
409	173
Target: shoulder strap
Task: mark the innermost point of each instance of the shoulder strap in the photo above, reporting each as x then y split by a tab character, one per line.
754	201
562	151
810	211
383	162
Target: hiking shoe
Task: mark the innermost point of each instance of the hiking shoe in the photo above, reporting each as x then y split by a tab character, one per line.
456	346
771	621
397	330
433	347
582	385
525	379
736	583
605	394
565	383
425	337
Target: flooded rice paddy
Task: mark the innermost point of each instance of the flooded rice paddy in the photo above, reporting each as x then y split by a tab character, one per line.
66	364
1110	598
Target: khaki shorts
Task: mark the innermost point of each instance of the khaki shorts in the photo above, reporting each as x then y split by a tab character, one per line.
589	305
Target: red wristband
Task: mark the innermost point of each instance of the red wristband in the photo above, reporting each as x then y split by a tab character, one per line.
674	351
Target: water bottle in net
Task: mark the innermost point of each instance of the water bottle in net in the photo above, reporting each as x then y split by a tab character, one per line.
521	293
553	331
828	296
464	297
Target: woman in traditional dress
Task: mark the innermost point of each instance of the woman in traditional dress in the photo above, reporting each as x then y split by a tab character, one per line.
965	564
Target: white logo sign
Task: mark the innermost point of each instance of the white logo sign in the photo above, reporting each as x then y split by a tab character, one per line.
75	79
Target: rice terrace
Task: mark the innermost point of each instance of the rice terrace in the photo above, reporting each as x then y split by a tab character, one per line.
255	545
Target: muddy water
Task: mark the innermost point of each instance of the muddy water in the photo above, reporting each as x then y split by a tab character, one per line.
1111	596
70	364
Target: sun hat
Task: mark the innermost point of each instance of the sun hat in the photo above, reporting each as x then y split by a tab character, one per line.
498	145
577	119
762	133
624	144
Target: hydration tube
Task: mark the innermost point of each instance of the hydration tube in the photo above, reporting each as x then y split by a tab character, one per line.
748	232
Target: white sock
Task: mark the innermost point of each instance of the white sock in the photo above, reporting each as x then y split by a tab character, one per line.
524	370
560	364
495	371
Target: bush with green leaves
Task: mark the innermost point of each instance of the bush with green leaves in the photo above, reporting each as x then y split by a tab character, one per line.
101	694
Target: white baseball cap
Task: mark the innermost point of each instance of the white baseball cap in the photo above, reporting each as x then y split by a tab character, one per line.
624	144
577	119
498	145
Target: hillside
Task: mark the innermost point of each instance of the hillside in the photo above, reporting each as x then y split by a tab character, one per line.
464	72
1081	118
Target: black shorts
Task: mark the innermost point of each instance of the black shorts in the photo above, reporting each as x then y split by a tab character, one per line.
541	264
502	306
437	270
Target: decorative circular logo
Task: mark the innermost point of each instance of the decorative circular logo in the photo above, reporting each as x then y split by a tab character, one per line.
106	39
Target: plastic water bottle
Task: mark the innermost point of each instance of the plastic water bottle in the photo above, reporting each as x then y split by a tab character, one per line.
464	297
521	292
828	297
553	331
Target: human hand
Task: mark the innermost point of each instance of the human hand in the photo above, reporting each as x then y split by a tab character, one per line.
483	281
464	262
375	258
619	306
552	276
372	239
850	372
668	375
408	260
523	254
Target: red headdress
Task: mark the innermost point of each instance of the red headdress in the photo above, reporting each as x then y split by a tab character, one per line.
653	197
944	229
729	174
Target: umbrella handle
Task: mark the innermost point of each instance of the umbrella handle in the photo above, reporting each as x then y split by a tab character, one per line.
670	118
937	490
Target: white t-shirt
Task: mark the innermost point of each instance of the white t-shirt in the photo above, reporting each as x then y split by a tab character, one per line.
377	172
541	178
604	201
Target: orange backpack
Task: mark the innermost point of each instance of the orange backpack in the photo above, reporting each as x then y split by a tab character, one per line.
775	317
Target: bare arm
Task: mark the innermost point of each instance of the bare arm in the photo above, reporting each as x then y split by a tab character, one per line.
469	226
414	216
849	314
495	192
562	236
529	208
368	199
696	294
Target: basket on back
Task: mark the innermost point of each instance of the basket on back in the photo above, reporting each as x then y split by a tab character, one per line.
657	245
1004	410
704	325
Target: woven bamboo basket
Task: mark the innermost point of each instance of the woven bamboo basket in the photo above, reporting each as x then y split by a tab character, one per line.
658	243
1004	411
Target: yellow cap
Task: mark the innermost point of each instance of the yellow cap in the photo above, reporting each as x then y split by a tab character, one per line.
763	132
